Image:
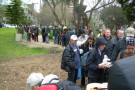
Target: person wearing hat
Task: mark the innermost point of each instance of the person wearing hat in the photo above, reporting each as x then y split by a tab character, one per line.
95	57
121	44
65	36
83	36
71	59
130	51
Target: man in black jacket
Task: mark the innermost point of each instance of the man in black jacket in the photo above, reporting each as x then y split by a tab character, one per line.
95	57
119	35
107	37
71	59
121	44
65	36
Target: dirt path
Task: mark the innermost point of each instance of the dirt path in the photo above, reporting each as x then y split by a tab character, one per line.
14	72
49	45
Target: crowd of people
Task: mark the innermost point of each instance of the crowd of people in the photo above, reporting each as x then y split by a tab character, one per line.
104	47
83	43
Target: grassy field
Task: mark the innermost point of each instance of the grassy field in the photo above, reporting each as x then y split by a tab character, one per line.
11	49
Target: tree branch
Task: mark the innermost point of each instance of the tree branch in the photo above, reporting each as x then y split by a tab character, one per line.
54	13
94	8
53	4
105	5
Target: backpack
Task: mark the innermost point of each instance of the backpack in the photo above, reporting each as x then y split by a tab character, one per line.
84	58
63	85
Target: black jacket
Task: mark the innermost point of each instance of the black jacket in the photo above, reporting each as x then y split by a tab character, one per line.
36	30
66	38
108	48
120	46
85	48
93	60
67	62
54	32
43	32
114	41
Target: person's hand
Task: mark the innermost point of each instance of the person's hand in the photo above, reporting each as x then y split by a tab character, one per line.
101	67
79	46
53	37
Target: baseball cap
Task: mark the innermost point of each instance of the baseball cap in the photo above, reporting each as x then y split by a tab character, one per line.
73	37
64	27
130	32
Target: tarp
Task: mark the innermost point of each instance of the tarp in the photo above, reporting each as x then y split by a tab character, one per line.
122	75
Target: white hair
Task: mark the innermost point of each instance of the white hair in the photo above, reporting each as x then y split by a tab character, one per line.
34	79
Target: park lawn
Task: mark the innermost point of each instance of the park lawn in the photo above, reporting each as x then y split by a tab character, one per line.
9	48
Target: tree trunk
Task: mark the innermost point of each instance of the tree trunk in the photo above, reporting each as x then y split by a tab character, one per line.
74	3
54	13
80	13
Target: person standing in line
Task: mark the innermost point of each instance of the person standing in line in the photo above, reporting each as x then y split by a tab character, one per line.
119	36
73	31
71	59
26	31
130	51
36	32
96	56
79	31
121	44
48	34
55	35
58	33
43	33
32	32
83	36
21	30
90	32
86	30
108	47
65	36
29	33
86	47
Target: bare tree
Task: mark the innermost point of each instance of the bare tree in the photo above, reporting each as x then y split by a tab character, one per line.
52	7
46	16
98	5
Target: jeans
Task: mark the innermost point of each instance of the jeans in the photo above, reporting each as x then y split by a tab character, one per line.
47	39
55	39
26	35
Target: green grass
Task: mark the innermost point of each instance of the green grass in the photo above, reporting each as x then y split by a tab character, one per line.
11	49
